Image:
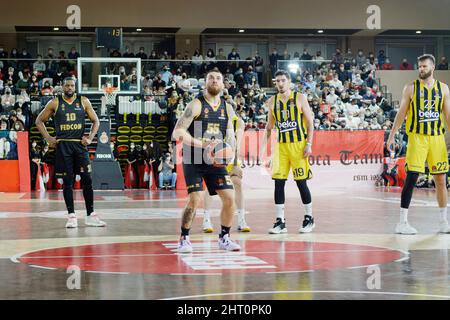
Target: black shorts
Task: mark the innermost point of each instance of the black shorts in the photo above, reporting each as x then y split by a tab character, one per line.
71	158
216	178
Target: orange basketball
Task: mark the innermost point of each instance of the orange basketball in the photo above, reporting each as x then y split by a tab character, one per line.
223	154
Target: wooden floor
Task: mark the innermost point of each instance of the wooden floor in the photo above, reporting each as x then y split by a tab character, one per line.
352	254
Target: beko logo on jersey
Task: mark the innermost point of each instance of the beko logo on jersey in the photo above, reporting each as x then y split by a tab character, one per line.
287	125
428	115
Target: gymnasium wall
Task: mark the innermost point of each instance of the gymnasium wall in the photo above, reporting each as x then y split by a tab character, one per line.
351	14
395	80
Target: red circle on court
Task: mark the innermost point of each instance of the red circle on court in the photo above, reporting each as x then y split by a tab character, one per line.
256	256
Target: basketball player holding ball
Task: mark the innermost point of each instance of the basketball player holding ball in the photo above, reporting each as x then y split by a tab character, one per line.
205	124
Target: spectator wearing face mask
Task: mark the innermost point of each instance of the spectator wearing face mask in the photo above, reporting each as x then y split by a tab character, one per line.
360	59
166	75
8	100
387	65
273	61
343	75
443	65
197	60
73	56
332	97
166	174
310	83
249	75
405	65
259	66
26	59
3	56
141	54
133	158
358	81
318	58
114	150
47	89
184	85
39	65
23	82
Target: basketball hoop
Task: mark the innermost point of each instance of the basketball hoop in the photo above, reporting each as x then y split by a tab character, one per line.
110	95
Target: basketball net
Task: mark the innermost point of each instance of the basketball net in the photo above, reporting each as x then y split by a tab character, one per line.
110	95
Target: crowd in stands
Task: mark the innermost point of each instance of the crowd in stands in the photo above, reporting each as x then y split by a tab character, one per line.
343	92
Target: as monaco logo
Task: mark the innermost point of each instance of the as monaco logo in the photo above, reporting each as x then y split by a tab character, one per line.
103	137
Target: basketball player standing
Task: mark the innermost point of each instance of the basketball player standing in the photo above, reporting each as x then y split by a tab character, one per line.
425	103
289	111
205	122
69	112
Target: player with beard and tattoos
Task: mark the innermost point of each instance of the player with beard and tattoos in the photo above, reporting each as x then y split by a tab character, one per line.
206	121
426	105
72	157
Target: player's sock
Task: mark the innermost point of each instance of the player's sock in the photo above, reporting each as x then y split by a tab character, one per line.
443	213
225	230
308	209
88	192
403	215
206	215
184	232
280	211
241	213
279	198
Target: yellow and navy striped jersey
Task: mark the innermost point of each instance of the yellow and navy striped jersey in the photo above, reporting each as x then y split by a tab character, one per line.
289	119
425	114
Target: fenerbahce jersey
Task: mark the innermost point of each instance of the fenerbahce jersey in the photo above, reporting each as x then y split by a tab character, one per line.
70	119
289	120
211	124
425	114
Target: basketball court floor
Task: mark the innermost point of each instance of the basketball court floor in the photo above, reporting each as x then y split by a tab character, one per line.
352	254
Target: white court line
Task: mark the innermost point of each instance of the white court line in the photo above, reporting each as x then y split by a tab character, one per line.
41	267
14	258
290	271
402	259
307	291
108	272
196	274
365	266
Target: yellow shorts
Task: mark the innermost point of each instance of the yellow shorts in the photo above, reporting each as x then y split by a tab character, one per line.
231	166
423	148
287	156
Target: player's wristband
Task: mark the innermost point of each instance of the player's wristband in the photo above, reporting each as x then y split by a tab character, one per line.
309	144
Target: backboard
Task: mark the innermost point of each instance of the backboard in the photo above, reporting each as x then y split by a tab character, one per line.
95	73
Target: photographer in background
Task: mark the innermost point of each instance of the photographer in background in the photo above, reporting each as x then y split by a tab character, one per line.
166	174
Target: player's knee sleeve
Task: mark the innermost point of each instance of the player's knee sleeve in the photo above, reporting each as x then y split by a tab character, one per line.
279	191
408	188
304	191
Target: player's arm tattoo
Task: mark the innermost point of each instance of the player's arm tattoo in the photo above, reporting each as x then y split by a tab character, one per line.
188	217
186	119
180	131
